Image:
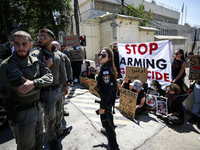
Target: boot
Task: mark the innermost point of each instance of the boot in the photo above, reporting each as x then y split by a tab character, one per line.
54	145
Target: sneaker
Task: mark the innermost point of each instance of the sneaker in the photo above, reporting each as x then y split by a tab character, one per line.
75	80
54	145
65	132
193	119
65	113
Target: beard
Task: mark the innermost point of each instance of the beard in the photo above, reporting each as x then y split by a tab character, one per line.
44	45
24	56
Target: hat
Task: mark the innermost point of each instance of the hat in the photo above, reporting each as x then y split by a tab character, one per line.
137	85
55	42
114	44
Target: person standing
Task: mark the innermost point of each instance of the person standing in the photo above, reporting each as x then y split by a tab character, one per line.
23	76
52	96
107	88
69	73
114	48
64	51
178	68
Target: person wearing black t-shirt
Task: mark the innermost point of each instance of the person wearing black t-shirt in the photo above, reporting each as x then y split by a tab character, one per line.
136	86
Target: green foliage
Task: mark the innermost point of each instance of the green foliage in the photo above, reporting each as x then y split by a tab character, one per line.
139	12
32	15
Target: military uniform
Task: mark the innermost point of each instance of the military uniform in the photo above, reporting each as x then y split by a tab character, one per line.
107	87
24	110
51	96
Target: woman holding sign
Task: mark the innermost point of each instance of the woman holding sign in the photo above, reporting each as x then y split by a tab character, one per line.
174	104
107	90
178	68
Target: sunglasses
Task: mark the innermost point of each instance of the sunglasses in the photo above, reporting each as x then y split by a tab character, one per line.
41	37
176	53
102	55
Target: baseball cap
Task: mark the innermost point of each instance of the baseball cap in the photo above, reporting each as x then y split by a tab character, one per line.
137	85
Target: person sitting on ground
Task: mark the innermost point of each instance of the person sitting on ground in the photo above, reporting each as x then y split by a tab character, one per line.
90	71
136	86
175	108
125	83
156	86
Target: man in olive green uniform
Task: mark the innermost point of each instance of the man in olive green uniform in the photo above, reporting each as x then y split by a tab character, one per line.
52	96
69	73
23	76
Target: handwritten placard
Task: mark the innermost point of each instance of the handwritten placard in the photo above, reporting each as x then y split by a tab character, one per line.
128	101
93	83
194	67
136	73
70	40
76	55
85	82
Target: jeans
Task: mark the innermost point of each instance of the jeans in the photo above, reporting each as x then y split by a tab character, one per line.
196	104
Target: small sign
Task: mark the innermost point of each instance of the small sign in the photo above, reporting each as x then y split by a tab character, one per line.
77	55
70	40
128	100
85	82
93	83
194	67
136	73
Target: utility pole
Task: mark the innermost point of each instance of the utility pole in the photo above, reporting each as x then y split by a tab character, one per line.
76	17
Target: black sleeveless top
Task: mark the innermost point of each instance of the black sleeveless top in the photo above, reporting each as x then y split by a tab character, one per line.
176	67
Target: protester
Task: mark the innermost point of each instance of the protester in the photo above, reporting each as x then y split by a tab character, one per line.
178	68
107	89
52	96
125	83
156	86
114	48
76	67
175	108
23	76
90	71
136	86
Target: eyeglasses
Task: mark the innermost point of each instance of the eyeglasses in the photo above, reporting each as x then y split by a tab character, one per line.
176	53
102	55
41	37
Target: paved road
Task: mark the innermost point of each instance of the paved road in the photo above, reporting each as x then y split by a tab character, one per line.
147	133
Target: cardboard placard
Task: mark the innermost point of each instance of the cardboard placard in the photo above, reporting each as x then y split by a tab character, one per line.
71	40
93	83
136	73
77	55
128	100
194	67
85	82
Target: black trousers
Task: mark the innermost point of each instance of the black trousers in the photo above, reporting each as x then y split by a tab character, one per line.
175	119
76	67
111	135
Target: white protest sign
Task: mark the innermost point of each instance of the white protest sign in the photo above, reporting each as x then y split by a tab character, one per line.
156	56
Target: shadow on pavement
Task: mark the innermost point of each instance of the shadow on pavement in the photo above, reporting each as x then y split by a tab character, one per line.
102	145
6	134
